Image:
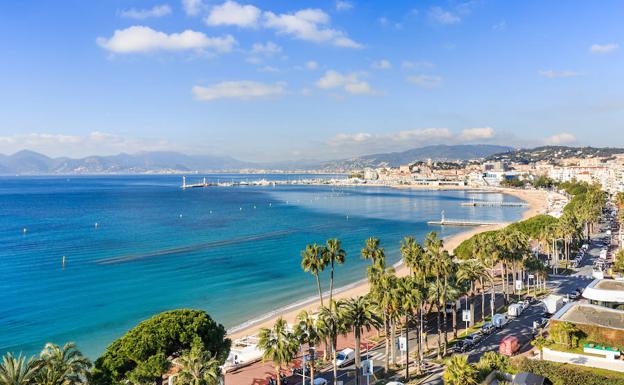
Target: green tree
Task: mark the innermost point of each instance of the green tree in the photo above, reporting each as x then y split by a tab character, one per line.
62	365
141	353
359	315
459	371
412	253
540	343
441	269
197	367
18	370
313	262
411	295
333	254
278	345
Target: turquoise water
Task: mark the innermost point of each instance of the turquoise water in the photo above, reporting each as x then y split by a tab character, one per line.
232	251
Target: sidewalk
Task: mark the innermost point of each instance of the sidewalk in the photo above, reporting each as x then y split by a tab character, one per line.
584	360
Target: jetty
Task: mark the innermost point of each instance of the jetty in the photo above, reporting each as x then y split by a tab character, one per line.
494	204
461	222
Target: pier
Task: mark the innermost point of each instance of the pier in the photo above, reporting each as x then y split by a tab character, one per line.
460	222
494	204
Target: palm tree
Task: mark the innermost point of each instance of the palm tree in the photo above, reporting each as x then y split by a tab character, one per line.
331	324
198	367
459	371
488	252
307	333
332	254
382	292
412	296
17	370
441	268
540	343
279	345
312	261
359	315
469	272
412	253
377	256
62	365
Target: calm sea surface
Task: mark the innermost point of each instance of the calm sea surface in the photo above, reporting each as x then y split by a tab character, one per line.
232	251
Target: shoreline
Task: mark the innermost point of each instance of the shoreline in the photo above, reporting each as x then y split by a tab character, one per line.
537	204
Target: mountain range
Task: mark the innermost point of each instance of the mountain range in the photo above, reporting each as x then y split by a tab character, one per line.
27	162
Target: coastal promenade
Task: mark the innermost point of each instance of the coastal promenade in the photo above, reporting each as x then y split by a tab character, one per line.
259	372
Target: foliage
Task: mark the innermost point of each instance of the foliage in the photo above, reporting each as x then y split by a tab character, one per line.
513	182
62	365
565	333
494	361
17	370
141	353
543	182
198	367
567	374
459	371
619	261
278	345
534	226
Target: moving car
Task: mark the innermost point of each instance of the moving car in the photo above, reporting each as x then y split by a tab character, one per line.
488	328
509	346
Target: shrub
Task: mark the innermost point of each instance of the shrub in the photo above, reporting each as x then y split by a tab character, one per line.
566	374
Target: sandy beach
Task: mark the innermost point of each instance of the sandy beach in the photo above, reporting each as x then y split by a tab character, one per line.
537	204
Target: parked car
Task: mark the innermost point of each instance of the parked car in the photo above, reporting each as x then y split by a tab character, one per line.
488	328
474	338
320	381
499	320
515	309
345	357
540	323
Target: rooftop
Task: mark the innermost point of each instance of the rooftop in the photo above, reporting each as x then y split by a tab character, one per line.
581	313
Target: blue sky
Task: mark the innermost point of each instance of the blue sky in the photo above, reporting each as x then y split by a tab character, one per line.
263	80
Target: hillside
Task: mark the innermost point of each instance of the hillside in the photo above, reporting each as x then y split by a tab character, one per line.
436	153
554	153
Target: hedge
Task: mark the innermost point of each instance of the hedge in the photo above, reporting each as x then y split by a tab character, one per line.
567	374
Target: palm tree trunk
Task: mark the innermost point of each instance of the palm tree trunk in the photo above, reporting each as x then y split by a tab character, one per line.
318	286
482	298
311	363
331	282
358	359
387	346
277	375
455	319
419	342
406	348
439	325
334	343
445	329
393	339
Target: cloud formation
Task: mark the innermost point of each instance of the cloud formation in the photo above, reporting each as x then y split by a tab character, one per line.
240	89
342	5
192	7
558	74
233	13
604	48
310	24
141	14
268	49
141	39
350	83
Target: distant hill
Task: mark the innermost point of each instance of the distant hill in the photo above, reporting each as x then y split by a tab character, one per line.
32	163
437	153
554	153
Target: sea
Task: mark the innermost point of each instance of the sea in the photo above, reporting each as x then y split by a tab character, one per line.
85	258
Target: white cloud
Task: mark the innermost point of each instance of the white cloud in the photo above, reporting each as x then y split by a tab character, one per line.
192	7
240	89
140	14
425	81
442	16
351	83
382	64
94	143
477	133
269	48
500	26
233	13
311	65
268	69
558	74
144	39
604	48
342	5
560	139
310	25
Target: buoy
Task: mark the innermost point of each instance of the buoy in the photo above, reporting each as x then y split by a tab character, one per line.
180	215
210	211
347	217
240	209
97	225
24	230
63	262
254	207
269	204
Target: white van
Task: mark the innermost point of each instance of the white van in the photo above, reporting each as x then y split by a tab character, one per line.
345	357
515	309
